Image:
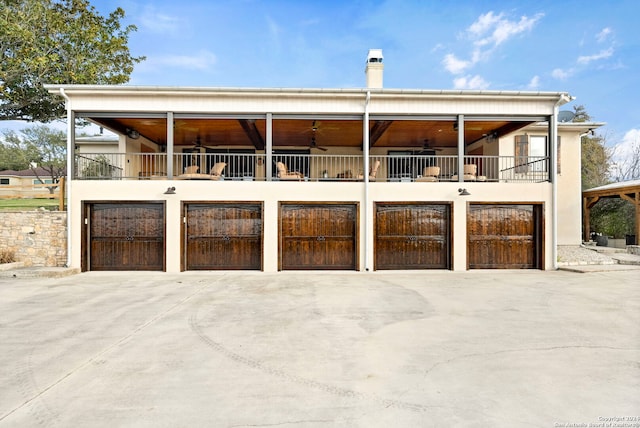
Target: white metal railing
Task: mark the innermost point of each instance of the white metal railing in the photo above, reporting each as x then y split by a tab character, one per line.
312	167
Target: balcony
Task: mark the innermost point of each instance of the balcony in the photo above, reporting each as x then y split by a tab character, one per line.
310	167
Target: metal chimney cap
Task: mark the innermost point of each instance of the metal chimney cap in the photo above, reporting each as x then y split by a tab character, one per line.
375	55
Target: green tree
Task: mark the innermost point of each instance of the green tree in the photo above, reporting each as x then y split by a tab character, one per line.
11	157
57	42
596	158
610	216
39	146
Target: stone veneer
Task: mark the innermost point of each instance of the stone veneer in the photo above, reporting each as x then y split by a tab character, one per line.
38	238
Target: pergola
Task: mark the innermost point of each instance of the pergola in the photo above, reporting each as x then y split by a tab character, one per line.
627	190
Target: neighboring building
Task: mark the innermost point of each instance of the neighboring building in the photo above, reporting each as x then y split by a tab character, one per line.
319	179
26	183
101	143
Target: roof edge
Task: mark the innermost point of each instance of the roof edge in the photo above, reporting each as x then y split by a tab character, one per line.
70	88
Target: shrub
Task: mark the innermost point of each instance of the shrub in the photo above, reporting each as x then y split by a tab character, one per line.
7	256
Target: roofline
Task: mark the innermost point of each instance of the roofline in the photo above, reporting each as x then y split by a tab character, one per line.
562	97
579	126
613	187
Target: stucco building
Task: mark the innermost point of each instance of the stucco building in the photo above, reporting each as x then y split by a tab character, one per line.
314	179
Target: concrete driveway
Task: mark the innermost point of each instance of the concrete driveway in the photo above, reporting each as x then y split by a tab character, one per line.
417	349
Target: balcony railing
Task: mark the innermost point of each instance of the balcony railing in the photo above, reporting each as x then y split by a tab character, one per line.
311	167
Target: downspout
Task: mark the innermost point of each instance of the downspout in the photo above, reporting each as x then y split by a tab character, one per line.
365	149
554	187
553	134
70	152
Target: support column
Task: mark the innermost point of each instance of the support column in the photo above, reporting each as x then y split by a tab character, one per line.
170	143
268	149
586	226
461	148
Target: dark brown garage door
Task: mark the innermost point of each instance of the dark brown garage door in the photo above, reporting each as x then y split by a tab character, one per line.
505	236
412	236
318	236
224	236
125	236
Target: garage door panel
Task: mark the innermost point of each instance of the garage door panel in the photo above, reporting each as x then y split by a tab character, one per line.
504	236
223	236
318	236
126	236
412	236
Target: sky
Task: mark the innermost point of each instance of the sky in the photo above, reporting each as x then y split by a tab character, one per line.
589	49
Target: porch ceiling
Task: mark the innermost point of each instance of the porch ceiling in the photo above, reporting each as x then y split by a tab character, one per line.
227	132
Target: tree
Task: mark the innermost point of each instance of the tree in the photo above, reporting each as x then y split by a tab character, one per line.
610	216
627	166
596	158
39	146
57	42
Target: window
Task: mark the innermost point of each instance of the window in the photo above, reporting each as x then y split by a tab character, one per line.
531	153
38	183
4	181
538	152
42	181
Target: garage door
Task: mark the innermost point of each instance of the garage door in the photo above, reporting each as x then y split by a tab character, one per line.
124	236
412	236
318	236
223	236
505	236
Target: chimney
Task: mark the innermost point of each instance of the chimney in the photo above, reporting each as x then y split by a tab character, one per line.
374	69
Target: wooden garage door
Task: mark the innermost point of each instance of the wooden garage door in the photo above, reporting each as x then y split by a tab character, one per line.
318	236
505	236
126	236
412	236
223	236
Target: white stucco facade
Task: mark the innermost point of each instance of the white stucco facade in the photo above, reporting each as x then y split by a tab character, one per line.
561	211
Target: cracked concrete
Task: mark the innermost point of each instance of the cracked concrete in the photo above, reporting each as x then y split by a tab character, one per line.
401	349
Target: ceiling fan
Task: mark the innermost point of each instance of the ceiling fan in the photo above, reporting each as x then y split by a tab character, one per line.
314	145
427	146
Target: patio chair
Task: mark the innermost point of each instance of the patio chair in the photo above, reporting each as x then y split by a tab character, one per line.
430	174
191	169
191	173
470	174
216	171
284	174
373	171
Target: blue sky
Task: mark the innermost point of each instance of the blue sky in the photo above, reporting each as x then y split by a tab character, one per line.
589	49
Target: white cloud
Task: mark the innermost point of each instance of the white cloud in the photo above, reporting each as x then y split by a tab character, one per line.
484	23
486	33
202	61
534	83
470	82
455	65
624	155
624	150
600	55
157	22
603	35
499	29
561	74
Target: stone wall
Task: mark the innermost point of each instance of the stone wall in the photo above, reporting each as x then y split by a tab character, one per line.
38	238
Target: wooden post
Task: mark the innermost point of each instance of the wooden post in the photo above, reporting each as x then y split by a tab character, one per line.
585	220
61	193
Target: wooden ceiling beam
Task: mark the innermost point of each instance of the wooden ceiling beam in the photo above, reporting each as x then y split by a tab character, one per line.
379	128
250	128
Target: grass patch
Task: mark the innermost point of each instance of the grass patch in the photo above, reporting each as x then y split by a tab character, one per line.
7	256
28	204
